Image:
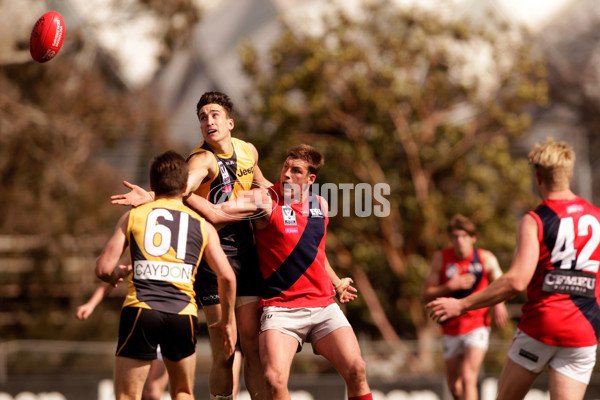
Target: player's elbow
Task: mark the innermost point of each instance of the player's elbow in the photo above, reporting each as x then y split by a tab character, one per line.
227	278
102	270
514	285
228	285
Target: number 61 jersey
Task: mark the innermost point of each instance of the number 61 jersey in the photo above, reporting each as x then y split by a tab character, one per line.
166	242
562	298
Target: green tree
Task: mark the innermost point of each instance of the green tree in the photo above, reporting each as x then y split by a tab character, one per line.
431	107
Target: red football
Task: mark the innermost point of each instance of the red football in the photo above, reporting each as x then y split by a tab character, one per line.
47	36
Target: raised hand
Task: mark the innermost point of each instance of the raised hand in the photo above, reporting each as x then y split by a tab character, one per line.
136	197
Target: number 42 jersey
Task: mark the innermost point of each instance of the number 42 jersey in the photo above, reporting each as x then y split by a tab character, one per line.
562	298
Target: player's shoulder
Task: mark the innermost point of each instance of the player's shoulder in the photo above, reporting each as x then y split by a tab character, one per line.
486	254
201	156
241	144
245	146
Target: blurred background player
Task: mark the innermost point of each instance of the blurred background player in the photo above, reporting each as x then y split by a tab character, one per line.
167	241
458	271
220	168
557	260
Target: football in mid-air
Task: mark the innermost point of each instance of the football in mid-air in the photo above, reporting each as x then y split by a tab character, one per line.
47	36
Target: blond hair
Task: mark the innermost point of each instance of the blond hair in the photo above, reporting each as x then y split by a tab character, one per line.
553	162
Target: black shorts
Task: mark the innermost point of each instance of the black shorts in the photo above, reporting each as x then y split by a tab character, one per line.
247	272
142	330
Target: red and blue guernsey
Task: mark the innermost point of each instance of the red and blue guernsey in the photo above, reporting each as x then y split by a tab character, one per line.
291	252
451	265
562	307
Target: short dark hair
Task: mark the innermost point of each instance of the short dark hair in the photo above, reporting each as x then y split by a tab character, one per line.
168	174
309	154
463	223
216	98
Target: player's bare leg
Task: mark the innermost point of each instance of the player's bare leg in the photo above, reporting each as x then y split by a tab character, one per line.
453	376
248	322
277	351
129	377
181	377
564	388
237	367
514	381
220	379
157	381
341	348
473	358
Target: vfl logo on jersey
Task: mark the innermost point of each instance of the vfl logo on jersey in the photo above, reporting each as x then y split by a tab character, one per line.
574	283
473	268
227	186
289	219
316	213
163	271
451	270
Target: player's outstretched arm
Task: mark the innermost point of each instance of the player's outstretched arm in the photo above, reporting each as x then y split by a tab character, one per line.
247	204
106	264
86	309
217	260
136	197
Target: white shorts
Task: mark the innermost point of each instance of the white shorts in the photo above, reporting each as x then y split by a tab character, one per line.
574	362
304	324
455	345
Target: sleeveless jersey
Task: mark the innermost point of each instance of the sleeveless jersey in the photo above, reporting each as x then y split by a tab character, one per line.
562	306
291	252
451	266
166	242
234	175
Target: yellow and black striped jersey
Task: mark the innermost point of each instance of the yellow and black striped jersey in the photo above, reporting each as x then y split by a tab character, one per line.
166	242
234	175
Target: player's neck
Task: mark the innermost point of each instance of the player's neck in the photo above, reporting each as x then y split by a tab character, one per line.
566	194
222	146
165	197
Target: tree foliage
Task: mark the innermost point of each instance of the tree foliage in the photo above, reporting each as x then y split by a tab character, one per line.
431	107
67	130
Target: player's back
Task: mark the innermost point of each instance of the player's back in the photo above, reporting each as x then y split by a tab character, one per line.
166	241
562	307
